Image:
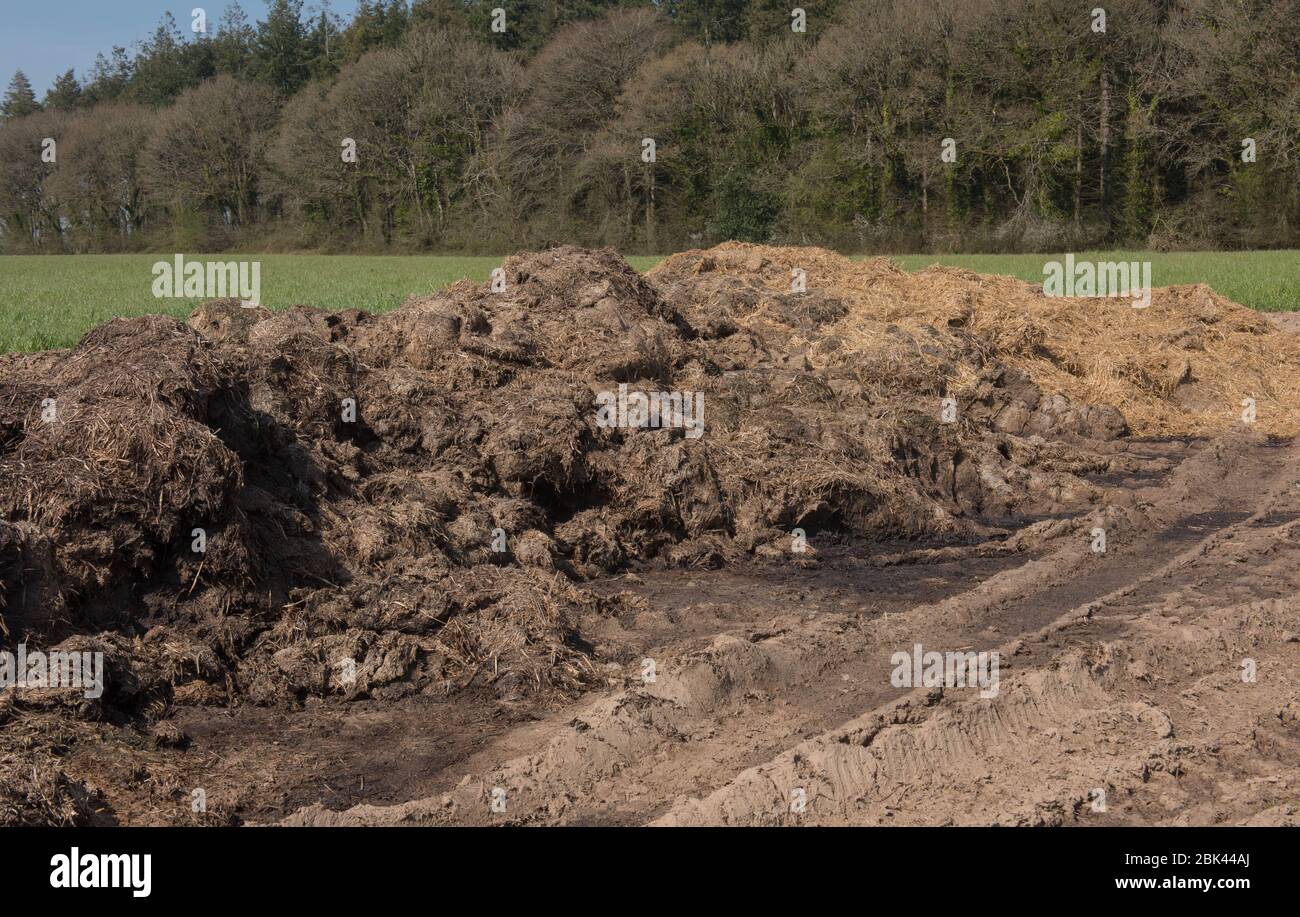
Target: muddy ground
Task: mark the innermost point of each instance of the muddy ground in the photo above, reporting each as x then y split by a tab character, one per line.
1122	674
354	647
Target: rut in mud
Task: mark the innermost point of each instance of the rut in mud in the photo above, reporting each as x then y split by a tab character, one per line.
422	559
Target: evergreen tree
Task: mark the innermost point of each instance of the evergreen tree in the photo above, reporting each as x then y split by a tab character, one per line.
324	46
530	24
65	94
19	100
280	48
366	31
396	20
160	73
108	78
233	45
440	13
709	21
768	20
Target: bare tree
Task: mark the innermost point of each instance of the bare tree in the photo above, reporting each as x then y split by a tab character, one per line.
207	151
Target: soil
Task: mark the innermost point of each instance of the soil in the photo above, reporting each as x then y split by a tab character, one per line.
353	646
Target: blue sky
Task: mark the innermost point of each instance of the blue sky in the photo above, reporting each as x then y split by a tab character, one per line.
43	38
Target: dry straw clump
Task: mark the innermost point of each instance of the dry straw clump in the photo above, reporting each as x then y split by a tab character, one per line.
1180	367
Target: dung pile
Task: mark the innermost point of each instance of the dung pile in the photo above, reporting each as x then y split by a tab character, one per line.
305	502
268	507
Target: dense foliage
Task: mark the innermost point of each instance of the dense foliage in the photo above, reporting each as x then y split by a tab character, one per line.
1060	135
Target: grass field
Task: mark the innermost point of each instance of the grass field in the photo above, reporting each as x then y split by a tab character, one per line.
50	301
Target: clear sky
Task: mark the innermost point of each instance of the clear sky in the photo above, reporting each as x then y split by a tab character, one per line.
43	38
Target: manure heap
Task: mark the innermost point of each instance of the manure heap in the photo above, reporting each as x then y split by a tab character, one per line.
258	508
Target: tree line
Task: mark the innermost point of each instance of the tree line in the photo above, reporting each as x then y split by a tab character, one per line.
880	125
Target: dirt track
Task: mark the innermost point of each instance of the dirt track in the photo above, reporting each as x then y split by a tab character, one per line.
494	686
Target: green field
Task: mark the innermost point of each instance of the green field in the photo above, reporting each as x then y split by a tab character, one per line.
50	301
